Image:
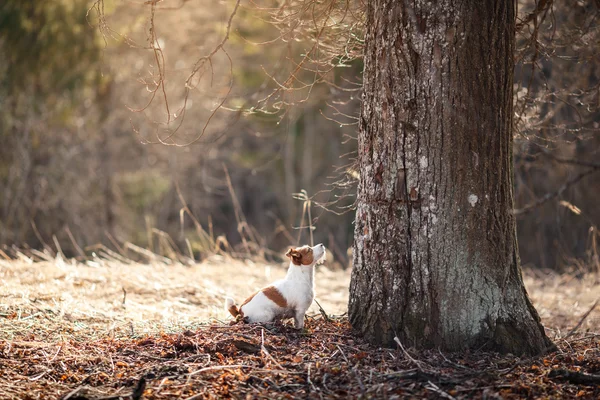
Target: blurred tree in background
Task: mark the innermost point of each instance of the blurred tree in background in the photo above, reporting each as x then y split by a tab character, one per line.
84	90
49	81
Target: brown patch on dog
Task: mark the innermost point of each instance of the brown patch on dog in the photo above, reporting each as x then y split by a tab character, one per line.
275	296
301	255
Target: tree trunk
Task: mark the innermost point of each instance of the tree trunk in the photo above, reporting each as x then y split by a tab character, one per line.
435	253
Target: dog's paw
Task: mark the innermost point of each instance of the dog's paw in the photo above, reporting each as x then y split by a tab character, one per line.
304	331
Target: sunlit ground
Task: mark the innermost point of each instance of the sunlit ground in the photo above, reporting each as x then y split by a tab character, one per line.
56	298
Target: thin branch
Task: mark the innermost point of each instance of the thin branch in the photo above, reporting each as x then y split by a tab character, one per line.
583	318
530	207
541	6
579	378
571	161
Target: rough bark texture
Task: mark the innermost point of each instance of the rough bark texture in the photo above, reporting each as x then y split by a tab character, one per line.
435	254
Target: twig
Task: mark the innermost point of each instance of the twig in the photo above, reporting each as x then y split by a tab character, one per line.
453	363
362	386
416	362
116	244
542	5
265	351
58	248
530	207
415	373
35	378
322	311
310	382
204	237
583	318
310	227
196	396
124	296
572	161
55	354
4	255
238	212
303	196
215	368
518	364
75	245
39	236
590	336
72	393
153	257
576	377
434	388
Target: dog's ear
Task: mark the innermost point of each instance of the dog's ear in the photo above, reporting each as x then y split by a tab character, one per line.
290	253
295	256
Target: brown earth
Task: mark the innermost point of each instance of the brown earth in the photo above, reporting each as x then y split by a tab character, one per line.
107	329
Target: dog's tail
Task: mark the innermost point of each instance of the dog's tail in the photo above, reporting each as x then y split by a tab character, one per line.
231	307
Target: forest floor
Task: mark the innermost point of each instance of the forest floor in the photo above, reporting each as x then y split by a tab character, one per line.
109	330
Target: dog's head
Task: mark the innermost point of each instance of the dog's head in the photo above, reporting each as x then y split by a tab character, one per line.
306	255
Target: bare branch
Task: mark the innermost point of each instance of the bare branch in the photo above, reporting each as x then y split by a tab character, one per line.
530	207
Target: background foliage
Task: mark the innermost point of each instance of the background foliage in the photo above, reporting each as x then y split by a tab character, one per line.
83	97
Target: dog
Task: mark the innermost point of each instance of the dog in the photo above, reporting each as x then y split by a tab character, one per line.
286	298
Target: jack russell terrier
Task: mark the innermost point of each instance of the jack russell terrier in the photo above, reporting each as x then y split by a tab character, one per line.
286	298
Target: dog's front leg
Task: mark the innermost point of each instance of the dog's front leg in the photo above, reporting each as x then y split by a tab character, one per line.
299	318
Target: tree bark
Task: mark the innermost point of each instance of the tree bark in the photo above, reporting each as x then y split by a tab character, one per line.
435	253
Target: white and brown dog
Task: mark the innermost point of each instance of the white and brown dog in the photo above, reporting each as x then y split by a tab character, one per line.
286	298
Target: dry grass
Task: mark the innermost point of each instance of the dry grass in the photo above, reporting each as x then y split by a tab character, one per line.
562	299
99	298
93	330
104	297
